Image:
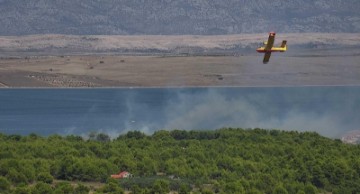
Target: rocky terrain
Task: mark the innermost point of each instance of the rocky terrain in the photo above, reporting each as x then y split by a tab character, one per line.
240	44
173	17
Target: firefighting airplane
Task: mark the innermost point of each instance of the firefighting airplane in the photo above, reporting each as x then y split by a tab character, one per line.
268	47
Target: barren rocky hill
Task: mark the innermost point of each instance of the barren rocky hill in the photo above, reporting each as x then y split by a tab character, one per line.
174	17
55	44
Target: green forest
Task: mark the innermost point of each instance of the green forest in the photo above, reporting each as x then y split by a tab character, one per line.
226	160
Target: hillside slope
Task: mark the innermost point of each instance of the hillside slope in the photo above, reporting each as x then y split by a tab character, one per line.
221	161
173	17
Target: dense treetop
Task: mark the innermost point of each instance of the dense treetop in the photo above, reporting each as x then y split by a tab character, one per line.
220	161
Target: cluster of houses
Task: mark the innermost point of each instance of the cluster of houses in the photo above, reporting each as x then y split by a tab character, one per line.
351	137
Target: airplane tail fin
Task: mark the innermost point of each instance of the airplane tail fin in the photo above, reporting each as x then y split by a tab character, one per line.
283	44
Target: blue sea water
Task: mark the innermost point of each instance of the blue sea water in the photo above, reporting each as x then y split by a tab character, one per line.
330	111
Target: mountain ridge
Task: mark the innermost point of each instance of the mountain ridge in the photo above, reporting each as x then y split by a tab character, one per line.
170	17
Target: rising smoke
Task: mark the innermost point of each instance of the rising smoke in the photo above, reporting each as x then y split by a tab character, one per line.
330	111
304	109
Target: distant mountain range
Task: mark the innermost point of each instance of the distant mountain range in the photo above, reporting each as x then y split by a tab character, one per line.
176	17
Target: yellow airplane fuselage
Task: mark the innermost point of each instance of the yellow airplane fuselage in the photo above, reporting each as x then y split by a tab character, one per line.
273	49
268	47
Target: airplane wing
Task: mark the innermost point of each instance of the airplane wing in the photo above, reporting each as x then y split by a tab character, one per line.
270	42
267	57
